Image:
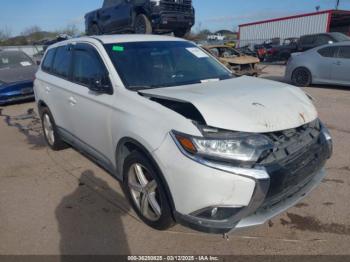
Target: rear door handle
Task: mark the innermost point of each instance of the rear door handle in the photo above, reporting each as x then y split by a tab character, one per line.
337	63
72	101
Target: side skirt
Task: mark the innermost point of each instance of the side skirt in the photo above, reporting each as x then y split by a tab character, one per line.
88	151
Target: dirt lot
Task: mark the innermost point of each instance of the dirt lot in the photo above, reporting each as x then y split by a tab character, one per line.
62	203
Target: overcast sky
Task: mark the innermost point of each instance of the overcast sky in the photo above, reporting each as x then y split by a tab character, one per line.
210	14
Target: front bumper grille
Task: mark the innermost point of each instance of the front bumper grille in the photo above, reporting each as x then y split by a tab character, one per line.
184	6
299	154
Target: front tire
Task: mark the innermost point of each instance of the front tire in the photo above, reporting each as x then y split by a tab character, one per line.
301	77
94	30
51	135
142	25
145	192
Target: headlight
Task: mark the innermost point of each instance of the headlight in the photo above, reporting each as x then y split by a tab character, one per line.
328	138
241	147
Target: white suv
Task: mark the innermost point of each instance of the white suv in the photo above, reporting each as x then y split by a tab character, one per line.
190	142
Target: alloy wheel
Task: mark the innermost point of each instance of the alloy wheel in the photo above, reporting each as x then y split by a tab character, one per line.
144	192
48	129
140	27
301	77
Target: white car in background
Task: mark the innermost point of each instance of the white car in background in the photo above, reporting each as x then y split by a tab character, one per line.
190	142
328	64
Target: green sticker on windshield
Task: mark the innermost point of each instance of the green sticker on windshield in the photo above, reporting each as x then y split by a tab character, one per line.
118	48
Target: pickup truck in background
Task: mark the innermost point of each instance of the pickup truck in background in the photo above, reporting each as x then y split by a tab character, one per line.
141	17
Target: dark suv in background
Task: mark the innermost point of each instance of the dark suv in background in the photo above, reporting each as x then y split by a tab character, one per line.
307	42
141	17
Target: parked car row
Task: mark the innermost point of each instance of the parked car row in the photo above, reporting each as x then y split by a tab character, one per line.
328	64
271	52
17	71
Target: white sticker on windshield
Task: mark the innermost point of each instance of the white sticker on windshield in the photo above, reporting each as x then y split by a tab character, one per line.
26	63
197	52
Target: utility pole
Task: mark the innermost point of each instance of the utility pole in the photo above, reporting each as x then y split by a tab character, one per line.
337	5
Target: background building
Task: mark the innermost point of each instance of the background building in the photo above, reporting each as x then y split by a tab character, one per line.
295	26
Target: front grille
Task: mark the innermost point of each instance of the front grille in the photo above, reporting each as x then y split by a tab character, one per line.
184	6
298	155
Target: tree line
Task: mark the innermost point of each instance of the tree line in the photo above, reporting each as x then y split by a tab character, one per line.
34	34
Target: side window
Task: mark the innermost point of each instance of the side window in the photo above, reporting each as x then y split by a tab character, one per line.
88	67
307	40
215	52
62	62
110	3
328	51
47	63
323	40
344	52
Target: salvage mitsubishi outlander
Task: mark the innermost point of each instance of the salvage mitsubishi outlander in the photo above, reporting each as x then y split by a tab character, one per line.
191	143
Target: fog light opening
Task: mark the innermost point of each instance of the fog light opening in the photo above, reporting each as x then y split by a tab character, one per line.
214	211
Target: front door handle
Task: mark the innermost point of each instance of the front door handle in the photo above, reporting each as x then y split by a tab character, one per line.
337	63
47	89
72	101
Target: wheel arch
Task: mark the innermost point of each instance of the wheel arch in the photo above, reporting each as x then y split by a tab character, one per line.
127	145
138	10
302	67
41	105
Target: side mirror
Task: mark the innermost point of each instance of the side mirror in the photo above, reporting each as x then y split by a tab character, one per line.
101	85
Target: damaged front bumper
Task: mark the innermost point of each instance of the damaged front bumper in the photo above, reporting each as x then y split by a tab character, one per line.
277	188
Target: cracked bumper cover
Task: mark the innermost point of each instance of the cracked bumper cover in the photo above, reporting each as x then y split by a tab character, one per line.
261	207
252	215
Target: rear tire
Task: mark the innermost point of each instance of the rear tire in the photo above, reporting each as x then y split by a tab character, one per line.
145	191
181	32
301	77
50	131
142	25
94	30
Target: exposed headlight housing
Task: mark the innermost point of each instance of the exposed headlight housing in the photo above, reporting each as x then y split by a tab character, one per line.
326	134
231	146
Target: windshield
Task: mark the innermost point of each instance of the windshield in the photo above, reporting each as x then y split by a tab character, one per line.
340	37
11	59
143	65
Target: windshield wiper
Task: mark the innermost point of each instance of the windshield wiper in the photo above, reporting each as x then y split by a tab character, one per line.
141	87
210	80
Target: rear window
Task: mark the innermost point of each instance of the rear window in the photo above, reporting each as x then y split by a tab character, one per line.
62	62
328	51
344	52
339	37
307	40
110	3
47	63
323	40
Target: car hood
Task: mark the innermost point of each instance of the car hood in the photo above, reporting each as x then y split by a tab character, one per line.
244	104
18	74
